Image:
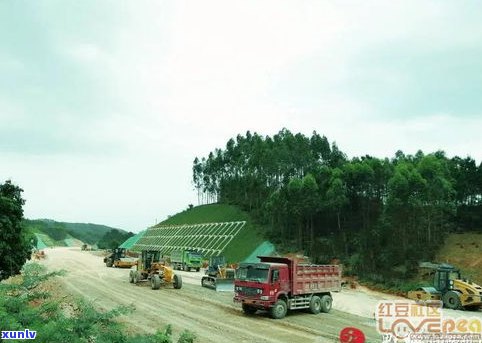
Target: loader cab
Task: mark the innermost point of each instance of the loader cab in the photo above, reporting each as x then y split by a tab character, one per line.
444	278
149	257
216	262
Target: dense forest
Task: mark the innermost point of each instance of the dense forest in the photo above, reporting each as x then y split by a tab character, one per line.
378	216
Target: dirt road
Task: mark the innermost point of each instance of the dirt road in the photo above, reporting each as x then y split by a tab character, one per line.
211	316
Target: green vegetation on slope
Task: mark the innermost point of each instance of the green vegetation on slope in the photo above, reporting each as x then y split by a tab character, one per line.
113	238
58	233
242	245
207	214
88	232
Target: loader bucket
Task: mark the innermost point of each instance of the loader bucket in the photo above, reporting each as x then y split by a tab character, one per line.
224	285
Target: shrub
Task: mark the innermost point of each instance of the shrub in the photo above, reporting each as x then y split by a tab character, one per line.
24	304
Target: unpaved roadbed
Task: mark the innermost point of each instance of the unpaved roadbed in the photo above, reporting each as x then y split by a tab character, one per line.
211	316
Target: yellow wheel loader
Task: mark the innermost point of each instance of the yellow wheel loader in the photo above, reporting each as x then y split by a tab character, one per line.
449	287
151	268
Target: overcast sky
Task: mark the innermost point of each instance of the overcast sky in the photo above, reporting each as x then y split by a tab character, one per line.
105	104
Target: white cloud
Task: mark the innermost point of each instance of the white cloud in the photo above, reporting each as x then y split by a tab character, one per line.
176	80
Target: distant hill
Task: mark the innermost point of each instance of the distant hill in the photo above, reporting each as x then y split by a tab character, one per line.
55	233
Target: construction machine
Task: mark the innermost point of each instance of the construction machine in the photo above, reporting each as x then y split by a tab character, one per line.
219	275
39	255
150	267
450	288
118	258
186	260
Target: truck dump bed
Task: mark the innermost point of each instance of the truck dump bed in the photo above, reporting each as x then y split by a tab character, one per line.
177	256
309	278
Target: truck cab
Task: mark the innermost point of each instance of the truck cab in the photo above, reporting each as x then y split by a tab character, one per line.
277	284
259	283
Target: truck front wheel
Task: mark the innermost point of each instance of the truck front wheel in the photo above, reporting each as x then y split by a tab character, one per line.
315	304
326	303
279	309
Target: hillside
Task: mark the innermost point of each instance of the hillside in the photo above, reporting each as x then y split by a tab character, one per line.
54	233
242	245
464	250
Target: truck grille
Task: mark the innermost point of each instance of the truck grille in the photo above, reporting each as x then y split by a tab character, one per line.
248	291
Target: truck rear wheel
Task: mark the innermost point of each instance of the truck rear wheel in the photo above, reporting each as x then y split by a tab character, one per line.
315	304
155	281
131	276
249	309
326	303
279	309
177	281
136	276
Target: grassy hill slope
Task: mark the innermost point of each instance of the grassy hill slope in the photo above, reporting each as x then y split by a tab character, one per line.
242	245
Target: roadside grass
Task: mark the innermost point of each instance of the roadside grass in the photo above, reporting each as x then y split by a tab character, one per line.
26	302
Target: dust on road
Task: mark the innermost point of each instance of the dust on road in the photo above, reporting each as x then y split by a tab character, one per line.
211	316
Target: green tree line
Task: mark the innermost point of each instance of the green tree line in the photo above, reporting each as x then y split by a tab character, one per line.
380	216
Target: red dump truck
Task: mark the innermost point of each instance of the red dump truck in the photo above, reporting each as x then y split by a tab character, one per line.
279	284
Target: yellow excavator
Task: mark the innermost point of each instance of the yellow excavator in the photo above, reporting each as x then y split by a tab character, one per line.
450	288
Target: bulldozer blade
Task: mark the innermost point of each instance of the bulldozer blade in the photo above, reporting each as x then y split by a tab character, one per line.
224	285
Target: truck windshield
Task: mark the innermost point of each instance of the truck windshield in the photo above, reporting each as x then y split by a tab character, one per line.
195	255
250	273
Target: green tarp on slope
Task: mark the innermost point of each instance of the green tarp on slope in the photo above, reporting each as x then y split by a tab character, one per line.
132	240
264	249
40	243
